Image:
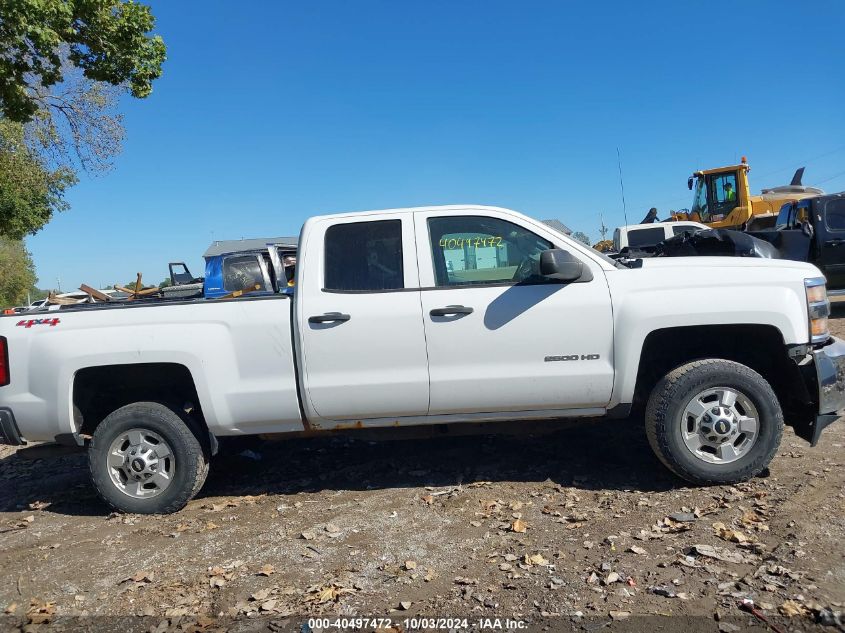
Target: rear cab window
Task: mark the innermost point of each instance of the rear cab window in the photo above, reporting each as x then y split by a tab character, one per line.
245	272
639	238
684	228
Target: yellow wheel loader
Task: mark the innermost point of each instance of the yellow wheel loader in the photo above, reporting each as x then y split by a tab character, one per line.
722	197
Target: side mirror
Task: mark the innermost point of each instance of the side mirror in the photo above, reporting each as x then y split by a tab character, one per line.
557	263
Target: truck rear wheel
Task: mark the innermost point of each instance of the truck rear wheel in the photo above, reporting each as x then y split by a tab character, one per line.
145	458
714	421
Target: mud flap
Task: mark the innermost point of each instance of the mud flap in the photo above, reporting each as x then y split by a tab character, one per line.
820	423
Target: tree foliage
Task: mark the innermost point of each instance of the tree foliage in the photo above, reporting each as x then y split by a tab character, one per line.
79	126
63	66
17	272
30	192
108	40
581	237
36	294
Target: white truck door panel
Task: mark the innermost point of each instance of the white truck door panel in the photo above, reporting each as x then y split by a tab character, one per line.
523	346
360	321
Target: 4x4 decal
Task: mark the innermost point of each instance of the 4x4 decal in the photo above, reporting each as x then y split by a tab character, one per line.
28	323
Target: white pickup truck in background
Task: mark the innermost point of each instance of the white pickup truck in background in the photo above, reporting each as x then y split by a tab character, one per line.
433	315
646	236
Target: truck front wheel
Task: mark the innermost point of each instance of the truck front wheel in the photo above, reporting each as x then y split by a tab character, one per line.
145	458
714	421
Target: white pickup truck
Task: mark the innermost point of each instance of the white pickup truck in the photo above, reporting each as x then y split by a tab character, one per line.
434	315
644	236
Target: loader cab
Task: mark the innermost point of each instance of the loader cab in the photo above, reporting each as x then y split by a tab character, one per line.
717	195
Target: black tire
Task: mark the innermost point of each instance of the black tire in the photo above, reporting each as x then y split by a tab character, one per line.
668	401
189	448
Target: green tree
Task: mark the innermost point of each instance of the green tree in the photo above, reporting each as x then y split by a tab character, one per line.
30	192
36	294
63	66
110	41
581	237
17	272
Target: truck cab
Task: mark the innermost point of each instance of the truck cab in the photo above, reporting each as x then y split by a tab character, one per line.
813	230
253	265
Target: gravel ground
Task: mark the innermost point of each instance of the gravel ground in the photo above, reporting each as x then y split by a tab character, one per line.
573	526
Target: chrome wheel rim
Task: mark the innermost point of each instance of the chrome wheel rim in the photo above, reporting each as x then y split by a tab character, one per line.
720	425
141	463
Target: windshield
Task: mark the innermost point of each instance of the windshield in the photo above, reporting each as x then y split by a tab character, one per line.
699	200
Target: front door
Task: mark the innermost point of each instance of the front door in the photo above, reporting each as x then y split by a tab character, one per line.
360	321
500	337
792	230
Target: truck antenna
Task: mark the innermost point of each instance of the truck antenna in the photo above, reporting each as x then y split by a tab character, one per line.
622	185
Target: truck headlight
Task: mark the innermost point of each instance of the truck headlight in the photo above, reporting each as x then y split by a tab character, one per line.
818	308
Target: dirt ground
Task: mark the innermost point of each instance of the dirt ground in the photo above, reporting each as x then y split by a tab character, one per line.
576	527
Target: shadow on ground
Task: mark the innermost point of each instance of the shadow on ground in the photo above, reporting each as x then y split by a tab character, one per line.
591	455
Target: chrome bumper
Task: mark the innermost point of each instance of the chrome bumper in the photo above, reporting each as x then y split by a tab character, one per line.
830	375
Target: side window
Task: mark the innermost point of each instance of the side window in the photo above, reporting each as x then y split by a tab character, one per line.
639	238
724	195
700	210
362	256
782	221
483	250
243	272
683	228
834	215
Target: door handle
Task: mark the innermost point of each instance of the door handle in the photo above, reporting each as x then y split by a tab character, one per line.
836	242
328	317
450	310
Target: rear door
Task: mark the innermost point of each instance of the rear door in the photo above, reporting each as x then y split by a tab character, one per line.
359	320
499	337
830	219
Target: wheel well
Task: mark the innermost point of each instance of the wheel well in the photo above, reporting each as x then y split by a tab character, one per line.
97	391
760	347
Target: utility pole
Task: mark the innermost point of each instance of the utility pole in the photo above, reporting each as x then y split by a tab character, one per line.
59	284
603	230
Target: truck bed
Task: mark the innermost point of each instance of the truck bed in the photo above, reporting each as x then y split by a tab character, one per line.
239	352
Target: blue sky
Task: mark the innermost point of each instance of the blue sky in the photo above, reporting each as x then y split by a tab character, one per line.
269	112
